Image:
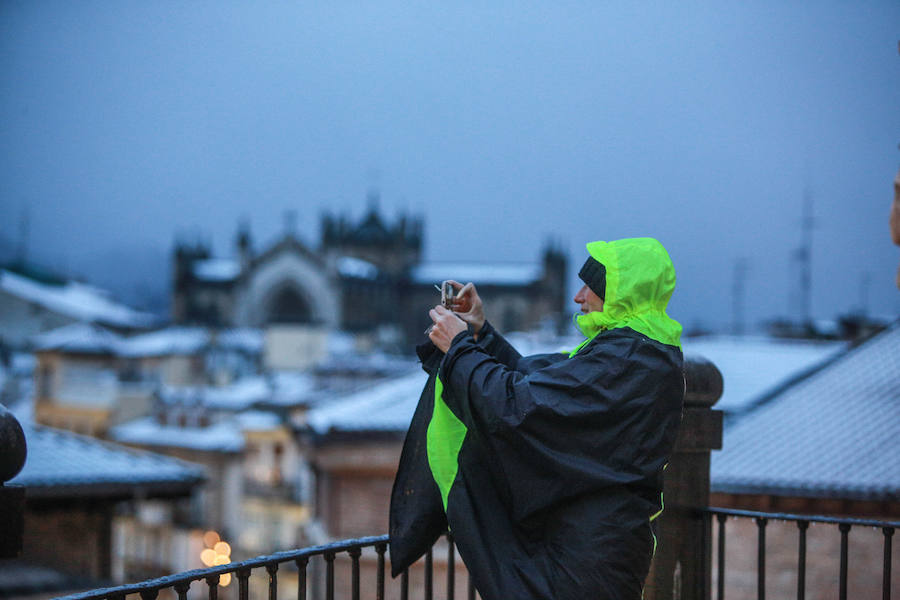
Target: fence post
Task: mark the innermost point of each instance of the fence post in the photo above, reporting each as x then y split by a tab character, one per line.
12	497
681	569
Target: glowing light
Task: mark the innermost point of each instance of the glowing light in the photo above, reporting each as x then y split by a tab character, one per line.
225	579
221	559
211	538
208	556
222	548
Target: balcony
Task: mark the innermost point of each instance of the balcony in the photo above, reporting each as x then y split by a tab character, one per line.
695	560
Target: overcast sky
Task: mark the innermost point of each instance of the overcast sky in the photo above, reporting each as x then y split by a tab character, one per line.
502	123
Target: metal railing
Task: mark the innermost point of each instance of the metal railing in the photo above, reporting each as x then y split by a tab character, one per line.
802	521
180	583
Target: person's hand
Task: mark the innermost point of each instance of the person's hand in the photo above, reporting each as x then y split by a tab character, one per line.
446	327
467	305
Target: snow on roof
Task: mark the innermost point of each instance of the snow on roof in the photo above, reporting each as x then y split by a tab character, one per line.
258	420
165	342
221	436
754	366
478	273
349	266
86	337
78	337
291	389
539	342
831	434
238	395
76	300
244	339
61	458
216	269
387	406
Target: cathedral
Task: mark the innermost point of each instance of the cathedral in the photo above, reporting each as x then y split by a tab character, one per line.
365	277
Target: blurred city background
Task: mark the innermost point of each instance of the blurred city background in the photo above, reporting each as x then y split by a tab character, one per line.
223	223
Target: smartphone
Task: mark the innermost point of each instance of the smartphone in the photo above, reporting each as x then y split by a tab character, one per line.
447	293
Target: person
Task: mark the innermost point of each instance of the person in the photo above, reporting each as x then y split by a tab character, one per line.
548	469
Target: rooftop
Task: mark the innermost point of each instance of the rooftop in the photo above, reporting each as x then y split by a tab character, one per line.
832	433
484	273
751	366
75	300
63	464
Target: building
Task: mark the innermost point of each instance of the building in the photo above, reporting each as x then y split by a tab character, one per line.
33	301
824	443
76	487
365	277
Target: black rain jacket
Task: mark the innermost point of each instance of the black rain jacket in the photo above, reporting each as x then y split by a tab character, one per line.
560	468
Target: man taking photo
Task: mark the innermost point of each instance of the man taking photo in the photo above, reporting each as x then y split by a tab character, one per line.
549	468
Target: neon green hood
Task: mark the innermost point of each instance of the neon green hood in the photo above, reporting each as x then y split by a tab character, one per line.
640	280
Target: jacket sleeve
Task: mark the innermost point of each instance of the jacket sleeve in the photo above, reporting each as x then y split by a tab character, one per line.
496	346
603	418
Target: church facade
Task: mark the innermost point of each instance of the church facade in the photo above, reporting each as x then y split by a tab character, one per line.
365	277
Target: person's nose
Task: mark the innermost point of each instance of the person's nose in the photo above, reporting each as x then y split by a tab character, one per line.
580	296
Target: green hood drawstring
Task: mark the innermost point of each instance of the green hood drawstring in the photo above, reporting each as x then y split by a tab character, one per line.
640	280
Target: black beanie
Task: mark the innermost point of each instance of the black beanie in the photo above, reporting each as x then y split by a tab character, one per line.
593	273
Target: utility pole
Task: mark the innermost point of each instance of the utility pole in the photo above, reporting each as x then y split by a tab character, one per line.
24	227
803	257
737	295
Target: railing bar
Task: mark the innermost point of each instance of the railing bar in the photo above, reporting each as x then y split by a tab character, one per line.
886	578
761	559
733	512
243	579
329	576
272	569
801	560
404	585
720	584
845	532
379	584
302	564
354	573
429	571
182	590
213	582
451	571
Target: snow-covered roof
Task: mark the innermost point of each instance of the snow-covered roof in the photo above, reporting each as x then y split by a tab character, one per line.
244	339
478	273
753	366
831	434
88	337
165	342
291	389
84	338
221	436
258	420
387	406
238	395
75	300
349	266
60	460
216	269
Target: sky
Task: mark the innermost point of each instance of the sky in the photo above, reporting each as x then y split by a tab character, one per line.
504	124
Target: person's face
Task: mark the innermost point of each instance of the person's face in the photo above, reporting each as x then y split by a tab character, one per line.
589	301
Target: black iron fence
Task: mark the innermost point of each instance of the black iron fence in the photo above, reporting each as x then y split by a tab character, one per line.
209	579
762	520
